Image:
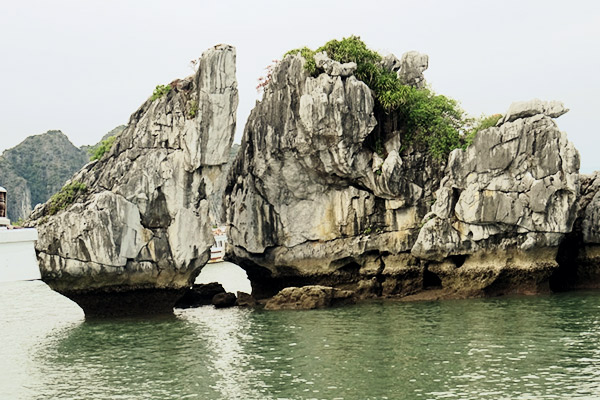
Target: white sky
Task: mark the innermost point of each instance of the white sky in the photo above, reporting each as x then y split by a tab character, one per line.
84	66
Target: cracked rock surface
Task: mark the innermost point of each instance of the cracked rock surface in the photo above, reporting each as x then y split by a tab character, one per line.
515	186
144	223
504	206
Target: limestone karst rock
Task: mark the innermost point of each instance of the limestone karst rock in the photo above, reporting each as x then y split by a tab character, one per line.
588	253
591	217
323	192
504	205
139	229
412	66
319	193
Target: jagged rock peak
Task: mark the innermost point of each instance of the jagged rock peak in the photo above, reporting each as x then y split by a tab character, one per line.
316	186
140	219
412	66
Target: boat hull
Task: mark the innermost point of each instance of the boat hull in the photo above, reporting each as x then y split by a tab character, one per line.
17	255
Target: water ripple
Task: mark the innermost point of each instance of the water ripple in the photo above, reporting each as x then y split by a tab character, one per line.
526	348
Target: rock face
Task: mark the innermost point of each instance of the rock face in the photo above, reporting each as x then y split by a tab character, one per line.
309	298
140	225
588	257
504	205
320	192
579	253
590	204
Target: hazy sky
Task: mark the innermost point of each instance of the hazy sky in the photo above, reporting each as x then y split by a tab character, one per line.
84	66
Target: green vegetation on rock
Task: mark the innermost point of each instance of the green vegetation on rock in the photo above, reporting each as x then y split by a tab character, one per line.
193	109
102	148
160	91
481	124
66	196
427	118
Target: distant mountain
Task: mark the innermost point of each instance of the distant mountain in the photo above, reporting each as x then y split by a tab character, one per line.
19	196
38	167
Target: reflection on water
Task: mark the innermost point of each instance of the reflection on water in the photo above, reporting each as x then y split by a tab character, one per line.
537	348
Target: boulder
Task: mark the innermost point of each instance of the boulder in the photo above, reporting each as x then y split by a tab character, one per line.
245	300
530	108
138	220
309	297
224	300
200	295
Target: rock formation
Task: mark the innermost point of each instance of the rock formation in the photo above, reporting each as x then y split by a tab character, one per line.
504	205
139	231
320	193
324	193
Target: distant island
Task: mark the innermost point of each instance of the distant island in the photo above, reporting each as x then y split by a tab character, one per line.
39	166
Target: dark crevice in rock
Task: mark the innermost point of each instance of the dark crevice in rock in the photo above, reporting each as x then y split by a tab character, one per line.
157	213
431	280
577	266
350	268
458	259
565	276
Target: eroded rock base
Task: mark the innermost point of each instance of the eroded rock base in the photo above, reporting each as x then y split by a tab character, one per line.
114	303
483	274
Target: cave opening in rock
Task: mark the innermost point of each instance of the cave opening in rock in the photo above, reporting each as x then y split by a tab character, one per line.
565	275
431	280
231	276
458	259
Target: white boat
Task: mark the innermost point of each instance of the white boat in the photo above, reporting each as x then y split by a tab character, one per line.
17	252
217	251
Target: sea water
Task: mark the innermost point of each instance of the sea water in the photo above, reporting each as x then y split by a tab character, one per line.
545	347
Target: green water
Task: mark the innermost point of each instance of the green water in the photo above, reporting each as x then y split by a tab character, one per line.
526	348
